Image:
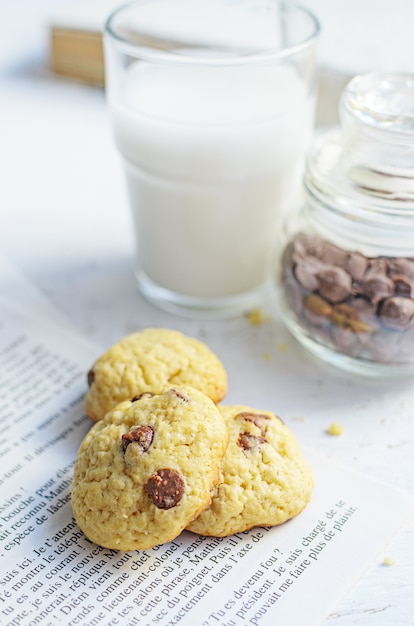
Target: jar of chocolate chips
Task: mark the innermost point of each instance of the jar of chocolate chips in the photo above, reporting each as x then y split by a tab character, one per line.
346	281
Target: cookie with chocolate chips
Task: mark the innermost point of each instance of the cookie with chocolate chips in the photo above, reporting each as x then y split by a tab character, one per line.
151	361
145	471
264	477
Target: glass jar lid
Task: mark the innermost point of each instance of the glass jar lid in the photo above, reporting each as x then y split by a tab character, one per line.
377	115
367	165
359	177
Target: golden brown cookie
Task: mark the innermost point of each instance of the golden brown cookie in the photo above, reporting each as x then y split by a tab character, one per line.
152	360
148	468
264	477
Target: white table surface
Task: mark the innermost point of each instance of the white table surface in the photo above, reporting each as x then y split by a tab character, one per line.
65	223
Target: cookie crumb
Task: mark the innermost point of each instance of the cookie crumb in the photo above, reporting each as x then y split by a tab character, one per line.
335	429
388	560
256	317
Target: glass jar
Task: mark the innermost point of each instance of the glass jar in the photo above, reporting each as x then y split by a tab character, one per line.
346	281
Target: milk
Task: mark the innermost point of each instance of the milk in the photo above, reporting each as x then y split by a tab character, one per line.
212	157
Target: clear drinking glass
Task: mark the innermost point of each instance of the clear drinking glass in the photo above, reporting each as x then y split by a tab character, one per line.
212	105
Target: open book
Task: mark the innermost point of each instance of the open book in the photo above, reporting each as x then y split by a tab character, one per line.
50	573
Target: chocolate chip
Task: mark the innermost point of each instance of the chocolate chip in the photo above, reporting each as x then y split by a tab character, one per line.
401	266
179	395
253	417
91	378
346	316
334	284
165	488
141	437
258	419
403	286
376	286
377	265
332	255
144	394
360	306
365	312
306	272
397	312
316	304
356	264
248	442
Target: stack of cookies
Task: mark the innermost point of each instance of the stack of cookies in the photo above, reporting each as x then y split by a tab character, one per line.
164	455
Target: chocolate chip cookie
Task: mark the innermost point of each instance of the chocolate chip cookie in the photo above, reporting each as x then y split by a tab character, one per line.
151	361
145	471
264	477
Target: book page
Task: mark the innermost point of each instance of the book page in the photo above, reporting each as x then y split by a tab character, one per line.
18	290
51	574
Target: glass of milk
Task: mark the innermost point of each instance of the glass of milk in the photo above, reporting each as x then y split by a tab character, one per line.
212	104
